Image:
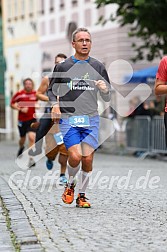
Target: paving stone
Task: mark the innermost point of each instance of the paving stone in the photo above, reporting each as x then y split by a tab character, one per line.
23	235
5	240
120	220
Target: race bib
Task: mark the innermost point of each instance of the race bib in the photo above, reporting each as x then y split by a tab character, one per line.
79	121
58	138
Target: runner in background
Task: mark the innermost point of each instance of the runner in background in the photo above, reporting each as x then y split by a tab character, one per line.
24	101
160	87
54	143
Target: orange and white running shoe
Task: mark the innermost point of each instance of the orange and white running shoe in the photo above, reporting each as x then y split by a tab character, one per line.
68	195
81	201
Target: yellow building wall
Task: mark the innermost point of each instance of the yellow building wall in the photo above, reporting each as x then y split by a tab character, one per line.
20	26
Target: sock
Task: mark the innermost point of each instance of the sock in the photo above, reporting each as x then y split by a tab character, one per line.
83	182
38	145
62	174
72	172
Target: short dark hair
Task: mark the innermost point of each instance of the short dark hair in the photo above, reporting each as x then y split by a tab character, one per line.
82	29
61	55
27	79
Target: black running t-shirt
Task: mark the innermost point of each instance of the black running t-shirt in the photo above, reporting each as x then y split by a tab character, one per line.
74	82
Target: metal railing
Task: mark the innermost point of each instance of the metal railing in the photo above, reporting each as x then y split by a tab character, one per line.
146	134
158	135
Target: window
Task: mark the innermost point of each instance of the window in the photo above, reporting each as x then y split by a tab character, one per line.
22	8
17	58
52	26
9	11
11	80
88	17
42	29
74	3
51	5
72	26
75	17
45	57
42	7
15	9
18	86
101	11
31	7
11	30
62	4
62	24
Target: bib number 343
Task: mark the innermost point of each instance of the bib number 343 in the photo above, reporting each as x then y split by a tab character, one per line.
79	121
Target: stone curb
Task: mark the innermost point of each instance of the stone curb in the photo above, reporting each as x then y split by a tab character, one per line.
19	223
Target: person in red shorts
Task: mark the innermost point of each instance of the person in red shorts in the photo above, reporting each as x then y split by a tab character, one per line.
24	101
160	87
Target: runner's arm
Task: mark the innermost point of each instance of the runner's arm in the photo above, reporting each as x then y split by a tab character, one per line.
160	87
42	89
14	102
53	95
15	106
105	92
53	86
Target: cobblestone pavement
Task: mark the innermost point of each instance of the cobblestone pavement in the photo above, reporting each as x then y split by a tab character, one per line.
128	213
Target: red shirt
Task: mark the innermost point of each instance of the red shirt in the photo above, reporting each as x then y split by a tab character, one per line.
162	70
25	99
162	73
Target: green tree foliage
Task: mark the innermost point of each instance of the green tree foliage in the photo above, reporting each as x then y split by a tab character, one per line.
148	21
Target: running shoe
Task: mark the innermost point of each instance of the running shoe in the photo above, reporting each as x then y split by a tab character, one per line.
34	153
82	202
49	164
31	163
20	151
68	195
62	180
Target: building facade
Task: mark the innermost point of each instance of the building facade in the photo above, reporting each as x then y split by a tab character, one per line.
58	17
111	42
37	30
21	49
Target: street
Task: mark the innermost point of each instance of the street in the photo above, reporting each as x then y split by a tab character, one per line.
128	211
